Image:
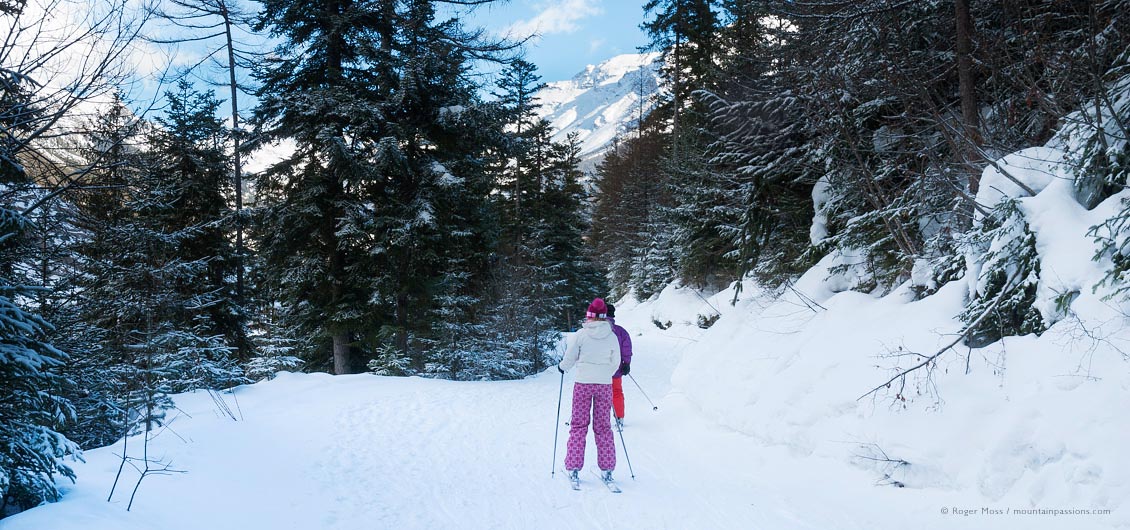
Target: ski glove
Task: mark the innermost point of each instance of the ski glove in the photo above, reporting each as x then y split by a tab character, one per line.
624	368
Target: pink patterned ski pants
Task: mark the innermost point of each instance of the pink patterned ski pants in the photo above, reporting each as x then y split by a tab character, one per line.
597	400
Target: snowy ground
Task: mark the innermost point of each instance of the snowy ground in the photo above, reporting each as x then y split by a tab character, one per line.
363	452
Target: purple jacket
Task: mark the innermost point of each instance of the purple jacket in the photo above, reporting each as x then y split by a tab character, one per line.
625	345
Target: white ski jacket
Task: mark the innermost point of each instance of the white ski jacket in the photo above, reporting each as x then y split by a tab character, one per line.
595	352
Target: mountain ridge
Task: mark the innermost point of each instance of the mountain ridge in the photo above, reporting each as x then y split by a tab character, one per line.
601	101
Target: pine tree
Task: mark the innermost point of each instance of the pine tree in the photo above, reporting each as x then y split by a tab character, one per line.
687	33
315	93
154	292
632	201
761	149
32	411
888	99
379	220
190	168
527	150
1103	166
89	322
188	150
520	303
566	221
541	268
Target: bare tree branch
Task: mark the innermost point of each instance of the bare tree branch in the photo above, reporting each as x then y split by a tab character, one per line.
964	333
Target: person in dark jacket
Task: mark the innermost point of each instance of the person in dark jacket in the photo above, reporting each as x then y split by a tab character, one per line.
625	366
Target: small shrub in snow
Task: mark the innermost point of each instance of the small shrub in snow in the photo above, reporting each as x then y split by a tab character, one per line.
705	321
943	263
1103	169
389	361
1113	239
872	457
275	350
1102	164
1010	271
264	367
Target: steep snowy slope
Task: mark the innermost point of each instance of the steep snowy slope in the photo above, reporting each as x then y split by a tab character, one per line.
1032	426
602	100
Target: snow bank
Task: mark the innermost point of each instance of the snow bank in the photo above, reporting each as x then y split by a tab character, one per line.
1027	422
1033	168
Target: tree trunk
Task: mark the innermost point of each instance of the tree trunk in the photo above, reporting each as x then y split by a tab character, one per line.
969	112
335	192
343	360
675	109
237	177
402	322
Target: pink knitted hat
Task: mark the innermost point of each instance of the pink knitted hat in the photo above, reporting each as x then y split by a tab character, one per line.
597	309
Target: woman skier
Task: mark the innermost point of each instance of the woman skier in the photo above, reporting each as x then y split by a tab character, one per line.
596	354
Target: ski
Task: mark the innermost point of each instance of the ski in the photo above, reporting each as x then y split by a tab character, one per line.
610	483
574	481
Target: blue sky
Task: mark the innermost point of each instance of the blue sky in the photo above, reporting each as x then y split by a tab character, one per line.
569	33
565	35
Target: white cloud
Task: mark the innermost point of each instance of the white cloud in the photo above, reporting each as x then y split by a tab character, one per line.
560	16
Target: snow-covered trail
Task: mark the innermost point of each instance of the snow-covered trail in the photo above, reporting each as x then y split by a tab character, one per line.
362	452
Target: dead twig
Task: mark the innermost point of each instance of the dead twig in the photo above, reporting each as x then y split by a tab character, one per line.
961	336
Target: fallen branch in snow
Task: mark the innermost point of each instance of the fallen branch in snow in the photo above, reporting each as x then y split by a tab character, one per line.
1000	168
149	469
222	405
716	311
1079	333
895	461
804	298
961	336
168	427
882	458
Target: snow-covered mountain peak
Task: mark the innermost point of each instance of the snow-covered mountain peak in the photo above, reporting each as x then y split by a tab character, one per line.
612	70
602	100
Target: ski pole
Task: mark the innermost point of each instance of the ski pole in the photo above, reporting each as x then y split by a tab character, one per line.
653	407
626	457
557	424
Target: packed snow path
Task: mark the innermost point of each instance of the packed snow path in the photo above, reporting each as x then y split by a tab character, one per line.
364	452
